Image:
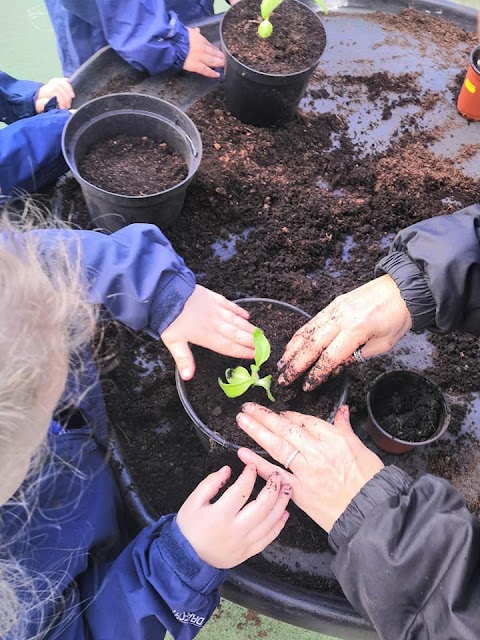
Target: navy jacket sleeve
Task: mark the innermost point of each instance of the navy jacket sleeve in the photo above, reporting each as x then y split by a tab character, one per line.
145	34
31	153
408	558
436	264
134	272
160	561
17	98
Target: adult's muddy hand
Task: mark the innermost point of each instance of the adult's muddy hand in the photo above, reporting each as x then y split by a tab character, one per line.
327	464
372	318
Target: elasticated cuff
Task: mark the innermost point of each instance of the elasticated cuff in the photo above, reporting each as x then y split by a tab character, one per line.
387	483
168	303
179	554
181	43
413	287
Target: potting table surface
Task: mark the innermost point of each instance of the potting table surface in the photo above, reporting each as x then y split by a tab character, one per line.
362	40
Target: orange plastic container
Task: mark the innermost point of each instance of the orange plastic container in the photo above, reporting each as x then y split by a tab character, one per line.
468	102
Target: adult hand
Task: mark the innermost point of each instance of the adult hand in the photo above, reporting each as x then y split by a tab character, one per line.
202	56
209	320
58	87
230	531
372	317
331	466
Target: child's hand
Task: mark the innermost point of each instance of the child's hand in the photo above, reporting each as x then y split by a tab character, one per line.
209	320
202	56
58	87
230	531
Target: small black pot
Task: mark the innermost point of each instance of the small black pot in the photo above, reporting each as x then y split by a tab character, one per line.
414	384
135	115
211	439
263	99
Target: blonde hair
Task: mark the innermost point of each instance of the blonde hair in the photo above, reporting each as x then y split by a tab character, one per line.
44	312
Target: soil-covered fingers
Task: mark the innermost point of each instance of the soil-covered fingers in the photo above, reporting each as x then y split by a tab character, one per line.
275	433
236	496
337	353
265	517
306	346
208	488
264	467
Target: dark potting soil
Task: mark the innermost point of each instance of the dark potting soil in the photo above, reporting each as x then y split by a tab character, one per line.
297	214
218	412
297	41
407	408
133	166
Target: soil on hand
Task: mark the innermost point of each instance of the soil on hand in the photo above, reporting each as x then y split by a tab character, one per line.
133	166
407	407
297	41
300	213
218	412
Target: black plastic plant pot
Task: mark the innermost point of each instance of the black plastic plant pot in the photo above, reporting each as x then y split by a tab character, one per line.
212	439
264	99
134	115
406	402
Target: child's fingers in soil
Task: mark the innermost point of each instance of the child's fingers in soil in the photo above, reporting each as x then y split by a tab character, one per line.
236	496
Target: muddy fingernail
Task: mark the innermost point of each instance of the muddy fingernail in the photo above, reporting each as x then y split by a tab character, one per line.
287	490
280	364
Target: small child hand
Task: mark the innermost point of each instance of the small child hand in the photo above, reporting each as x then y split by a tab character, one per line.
209	320
228	532
202	56
58	87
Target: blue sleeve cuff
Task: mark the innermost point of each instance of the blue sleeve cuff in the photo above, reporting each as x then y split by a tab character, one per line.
182	46
179	554
168	303
388	483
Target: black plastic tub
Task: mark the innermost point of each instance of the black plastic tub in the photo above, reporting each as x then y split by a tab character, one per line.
135	115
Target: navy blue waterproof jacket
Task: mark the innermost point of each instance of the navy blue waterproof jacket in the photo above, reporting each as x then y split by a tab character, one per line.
408	551
149	34
109	588
30	147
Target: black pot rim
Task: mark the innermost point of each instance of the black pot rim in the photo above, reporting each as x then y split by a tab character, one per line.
475	58
263	73
213	435
107	114
417	443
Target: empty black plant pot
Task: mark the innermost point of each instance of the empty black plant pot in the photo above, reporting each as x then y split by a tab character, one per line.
132	115
211	438
266	98
406	410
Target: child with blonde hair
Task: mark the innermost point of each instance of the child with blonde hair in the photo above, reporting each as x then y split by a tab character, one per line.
67	568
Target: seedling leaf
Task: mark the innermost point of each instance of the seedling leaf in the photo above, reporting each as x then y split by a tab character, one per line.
265	383
234	390
237	375
262	347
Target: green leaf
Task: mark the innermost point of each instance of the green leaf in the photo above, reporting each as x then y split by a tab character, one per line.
265	383
262	347
268	6
265	29
234	390
237	375
322	5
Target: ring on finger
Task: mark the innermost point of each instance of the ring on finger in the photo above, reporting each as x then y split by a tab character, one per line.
357	354
291	458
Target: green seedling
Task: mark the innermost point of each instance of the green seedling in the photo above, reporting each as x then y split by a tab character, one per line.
239	379
265	29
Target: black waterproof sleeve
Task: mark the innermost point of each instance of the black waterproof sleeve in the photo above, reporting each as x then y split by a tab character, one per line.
436	265
408	558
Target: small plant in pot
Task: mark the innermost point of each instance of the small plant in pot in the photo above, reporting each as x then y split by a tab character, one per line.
271	51
406	410
213	407
134	156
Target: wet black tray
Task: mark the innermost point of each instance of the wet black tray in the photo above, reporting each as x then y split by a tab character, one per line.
352	30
